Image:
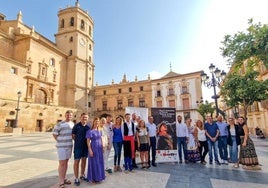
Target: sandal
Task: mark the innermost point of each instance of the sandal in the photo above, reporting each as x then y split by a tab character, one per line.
67	182
236	166
62	186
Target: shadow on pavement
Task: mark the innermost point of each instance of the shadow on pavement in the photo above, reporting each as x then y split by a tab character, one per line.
43	182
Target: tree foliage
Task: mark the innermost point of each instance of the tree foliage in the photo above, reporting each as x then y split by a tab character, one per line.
251	45
244	89
205	109
245	48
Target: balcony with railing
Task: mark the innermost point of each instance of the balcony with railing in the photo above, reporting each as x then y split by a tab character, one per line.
187	107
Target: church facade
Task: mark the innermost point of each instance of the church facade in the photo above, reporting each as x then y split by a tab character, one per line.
41	79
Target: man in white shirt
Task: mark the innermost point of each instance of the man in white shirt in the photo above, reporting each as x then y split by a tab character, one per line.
152	133
182	138
128	142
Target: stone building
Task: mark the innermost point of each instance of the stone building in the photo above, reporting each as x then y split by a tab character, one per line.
112	99
50	77
180	91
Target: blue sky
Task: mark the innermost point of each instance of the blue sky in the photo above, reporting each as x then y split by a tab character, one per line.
141	37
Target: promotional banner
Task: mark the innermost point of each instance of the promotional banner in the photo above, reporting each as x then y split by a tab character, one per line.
165	120
142	112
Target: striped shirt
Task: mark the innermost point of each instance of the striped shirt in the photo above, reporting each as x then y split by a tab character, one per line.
63	130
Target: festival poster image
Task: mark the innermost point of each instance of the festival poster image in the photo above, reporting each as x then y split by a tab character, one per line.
165	120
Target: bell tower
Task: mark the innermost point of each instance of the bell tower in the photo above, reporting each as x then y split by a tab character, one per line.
75	39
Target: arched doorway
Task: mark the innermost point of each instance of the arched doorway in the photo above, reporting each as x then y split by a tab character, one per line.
40	96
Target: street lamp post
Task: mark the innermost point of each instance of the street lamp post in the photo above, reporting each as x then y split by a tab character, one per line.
200	101
17	109
216	77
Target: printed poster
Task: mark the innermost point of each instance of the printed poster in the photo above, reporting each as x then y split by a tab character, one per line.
166	147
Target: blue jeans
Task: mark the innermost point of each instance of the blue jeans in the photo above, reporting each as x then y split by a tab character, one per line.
128	163
233	150
117	152
222	144
214	146
181	141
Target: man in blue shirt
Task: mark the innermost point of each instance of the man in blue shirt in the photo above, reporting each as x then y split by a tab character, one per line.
80	147
222	141
212	133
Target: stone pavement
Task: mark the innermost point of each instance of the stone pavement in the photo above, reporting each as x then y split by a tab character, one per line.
30	161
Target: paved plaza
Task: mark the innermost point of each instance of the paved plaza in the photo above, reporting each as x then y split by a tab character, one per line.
30	160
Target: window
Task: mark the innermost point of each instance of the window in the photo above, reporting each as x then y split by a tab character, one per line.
186	115
184	89
52	62
158	93
104	92
89	47
104	105
70	52
170	91
141	102
29	68
71	39
52	95
130	89
185	103
89	104
159	104
130	103
171	103
119	104
82	24
43	72
89	30
72	21
141	88
13	70
119	90
31	90
54	76
254	107
62	23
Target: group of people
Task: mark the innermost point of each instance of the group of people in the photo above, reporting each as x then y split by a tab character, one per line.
92	144
216	138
